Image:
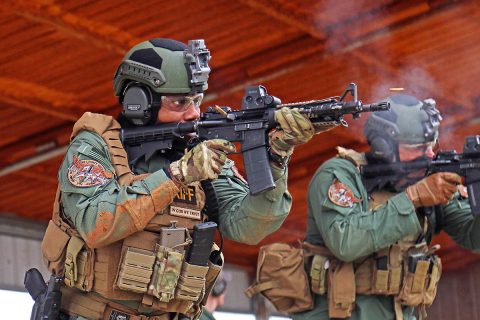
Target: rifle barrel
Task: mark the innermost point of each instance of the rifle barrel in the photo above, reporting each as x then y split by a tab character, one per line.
372	107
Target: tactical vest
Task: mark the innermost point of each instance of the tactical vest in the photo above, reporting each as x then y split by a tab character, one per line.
406	270
147	268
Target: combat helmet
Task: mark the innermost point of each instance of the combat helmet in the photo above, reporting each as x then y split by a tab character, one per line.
409	121
156	67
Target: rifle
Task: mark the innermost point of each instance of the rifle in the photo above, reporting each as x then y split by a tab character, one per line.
249	126
466	164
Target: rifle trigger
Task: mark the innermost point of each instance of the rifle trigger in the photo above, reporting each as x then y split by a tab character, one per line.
343	122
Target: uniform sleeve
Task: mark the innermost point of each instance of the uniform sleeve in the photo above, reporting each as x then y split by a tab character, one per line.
457	220
351	232
246	218
100	208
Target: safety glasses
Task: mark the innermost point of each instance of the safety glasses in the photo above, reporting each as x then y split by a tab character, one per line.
420	148
181	103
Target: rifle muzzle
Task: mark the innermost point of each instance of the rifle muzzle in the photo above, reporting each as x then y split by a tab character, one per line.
381	106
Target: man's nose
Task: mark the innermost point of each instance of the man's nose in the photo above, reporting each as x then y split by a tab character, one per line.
429	152
192	113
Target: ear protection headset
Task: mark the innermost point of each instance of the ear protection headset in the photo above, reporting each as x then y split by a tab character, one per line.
383	148
140	104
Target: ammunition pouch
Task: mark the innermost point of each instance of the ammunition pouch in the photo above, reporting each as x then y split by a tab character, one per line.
79	265
191	284
409	273
420	280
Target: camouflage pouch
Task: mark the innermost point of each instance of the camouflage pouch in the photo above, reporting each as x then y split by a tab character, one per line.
165	273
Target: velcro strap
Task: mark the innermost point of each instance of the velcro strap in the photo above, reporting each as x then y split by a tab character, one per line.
257	288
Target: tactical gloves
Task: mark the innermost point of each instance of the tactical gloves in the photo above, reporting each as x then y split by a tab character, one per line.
295	129
202	162
433	190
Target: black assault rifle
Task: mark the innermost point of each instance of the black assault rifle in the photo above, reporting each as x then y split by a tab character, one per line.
466	164
249	126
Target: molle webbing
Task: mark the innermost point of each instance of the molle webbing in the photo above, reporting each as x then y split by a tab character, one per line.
109	129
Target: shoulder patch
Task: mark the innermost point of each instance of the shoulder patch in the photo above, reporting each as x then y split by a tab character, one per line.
341	195
87	173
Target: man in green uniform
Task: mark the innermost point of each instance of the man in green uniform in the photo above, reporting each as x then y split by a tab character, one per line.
121	237
371	235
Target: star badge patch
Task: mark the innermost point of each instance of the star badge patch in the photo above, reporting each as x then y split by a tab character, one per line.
87	173
342	195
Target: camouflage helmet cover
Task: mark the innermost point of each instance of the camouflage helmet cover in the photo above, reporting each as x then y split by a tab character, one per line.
409	121
166	66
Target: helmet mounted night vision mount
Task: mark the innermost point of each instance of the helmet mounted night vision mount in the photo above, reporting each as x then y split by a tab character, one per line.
197	56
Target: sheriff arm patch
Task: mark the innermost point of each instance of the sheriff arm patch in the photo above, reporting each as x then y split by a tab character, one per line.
87	173
341	195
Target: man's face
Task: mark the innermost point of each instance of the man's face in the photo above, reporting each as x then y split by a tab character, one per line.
408	152
180	108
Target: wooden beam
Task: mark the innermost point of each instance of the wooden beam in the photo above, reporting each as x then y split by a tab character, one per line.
38	98
48	12
278	11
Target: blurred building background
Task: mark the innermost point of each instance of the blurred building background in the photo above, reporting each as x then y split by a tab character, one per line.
57	60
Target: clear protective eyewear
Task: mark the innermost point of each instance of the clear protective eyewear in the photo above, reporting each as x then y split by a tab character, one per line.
181	103
420	148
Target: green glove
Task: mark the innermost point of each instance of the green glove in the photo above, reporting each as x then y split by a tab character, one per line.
204	161
294	129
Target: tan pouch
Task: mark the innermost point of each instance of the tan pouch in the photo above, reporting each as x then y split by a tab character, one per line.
191	283
136	270
414	284
53	248
432	281
282	279
341	290
212	274
79	263
137	262
318	274
381	272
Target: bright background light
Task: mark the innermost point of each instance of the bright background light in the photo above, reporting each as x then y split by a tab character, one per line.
15	305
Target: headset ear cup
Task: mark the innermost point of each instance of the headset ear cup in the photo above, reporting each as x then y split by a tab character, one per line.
137	104
382	149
